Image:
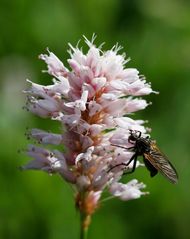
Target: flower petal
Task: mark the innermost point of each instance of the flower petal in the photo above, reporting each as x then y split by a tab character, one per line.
55	66
125	192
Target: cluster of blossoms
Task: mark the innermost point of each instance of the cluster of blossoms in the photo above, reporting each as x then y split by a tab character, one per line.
92	101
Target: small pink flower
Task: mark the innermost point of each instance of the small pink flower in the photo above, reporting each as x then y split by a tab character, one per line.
55	66
131	190
45	137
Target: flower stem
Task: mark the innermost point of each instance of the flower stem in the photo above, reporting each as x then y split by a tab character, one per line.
84	223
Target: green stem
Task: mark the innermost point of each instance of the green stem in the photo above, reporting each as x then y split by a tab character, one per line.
83	226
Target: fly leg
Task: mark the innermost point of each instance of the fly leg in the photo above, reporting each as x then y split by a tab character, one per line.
123	147
134	164
134	157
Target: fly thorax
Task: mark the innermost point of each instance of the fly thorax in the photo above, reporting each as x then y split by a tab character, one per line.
142	147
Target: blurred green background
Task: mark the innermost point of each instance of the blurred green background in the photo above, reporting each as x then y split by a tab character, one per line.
156	35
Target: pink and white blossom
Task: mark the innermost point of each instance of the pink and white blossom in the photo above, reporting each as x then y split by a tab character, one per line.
97	93
131	190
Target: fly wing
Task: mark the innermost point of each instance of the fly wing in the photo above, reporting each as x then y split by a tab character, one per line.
161	163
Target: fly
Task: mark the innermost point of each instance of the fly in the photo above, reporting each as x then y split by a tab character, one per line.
154	160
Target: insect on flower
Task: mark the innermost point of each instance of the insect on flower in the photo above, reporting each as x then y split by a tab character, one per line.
154	160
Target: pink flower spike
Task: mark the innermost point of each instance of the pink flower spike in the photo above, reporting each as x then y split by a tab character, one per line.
92	101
